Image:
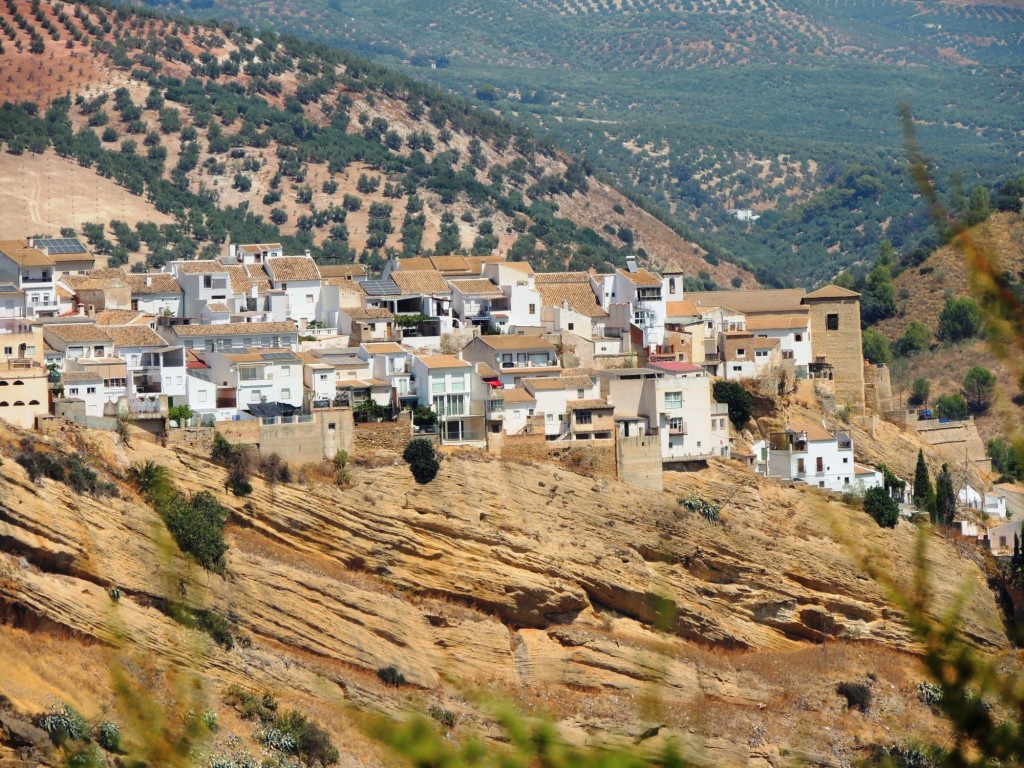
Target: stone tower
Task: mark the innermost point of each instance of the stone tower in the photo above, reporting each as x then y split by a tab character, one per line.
836	339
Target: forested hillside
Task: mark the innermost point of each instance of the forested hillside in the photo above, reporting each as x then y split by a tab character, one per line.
785	107
258	137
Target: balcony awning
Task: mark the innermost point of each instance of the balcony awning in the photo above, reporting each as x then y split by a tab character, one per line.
495	384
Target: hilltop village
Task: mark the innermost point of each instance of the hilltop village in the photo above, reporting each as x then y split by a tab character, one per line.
473	352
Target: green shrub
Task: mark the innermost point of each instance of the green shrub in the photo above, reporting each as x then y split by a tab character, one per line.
422	460
882	507
445	717
341	471
63	723
151	480
290	731
68	469
707	509
108	736
197	525
213	624
275	469
857	695
239	460
391	676
250	705
929	693
180	413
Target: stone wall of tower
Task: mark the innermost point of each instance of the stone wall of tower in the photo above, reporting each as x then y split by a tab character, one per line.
840	346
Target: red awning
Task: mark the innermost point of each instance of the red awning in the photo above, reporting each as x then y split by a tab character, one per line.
496	384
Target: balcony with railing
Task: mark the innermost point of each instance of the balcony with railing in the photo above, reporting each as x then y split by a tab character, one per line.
508	365
677	427
147	381
494	408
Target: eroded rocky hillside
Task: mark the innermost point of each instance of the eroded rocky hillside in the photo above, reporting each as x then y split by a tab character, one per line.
525	582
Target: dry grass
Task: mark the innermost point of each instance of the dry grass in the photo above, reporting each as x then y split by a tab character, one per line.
74	671
42	193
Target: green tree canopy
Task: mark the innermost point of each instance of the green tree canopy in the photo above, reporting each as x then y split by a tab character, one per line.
953	407
739	400
882	507
422	460
945	498
916	338
919	391
876	347
979	387
924	497
960	319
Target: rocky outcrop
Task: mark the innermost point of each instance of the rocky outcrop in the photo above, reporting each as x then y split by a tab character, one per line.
497	574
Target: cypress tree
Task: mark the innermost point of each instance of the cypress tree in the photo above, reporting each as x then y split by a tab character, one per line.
945	498
923	497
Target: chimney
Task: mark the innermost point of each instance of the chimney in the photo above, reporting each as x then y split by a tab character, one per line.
307	254
149	280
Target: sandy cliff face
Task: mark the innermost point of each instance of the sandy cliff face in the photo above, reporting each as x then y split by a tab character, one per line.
526	580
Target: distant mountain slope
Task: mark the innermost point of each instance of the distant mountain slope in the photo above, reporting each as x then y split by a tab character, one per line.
261	137
921	294
708	105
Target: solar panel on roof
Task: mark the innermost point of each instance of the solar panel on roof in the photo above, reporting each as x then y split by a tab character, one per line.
60	245
277	356
380	287
7	288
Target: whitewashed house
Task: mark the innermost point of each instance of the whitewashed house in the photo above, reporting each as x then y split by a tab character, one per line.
444	384
256	377
152	367
811	454
299	279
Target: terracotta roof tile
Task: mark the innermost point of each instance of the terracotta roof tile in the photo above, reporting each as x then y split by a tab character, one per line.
135	336
203	267
513	342
476	287
832	292
578	296
342	270
451	264
76	377
781	300
517	395
158	282
586	405
421	281
777	322
234	329
367	313
77	332
415	264
383	348
117	317
346	286
442	361
641	277
561	277
285	268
